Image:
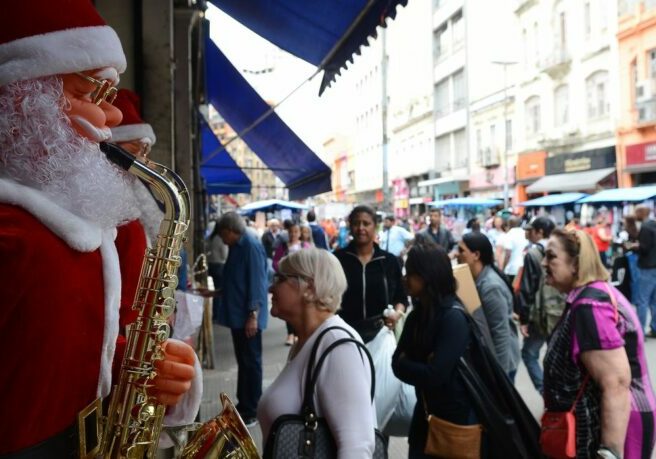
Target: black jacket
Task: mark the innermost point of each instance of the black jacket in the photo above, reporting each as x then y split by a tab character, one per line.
366	295
530	282
647	248
267	241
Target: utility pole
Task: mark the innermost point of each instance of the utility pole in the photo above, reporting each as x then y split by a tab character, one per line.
506	197
387	201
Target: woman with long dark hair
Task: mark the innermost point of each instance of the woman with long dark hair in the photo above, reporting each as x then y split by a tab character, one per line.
496	296
435	336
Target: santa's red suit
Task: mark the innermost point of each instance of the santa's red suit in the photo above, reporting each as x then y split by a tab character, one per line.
61	286
131	247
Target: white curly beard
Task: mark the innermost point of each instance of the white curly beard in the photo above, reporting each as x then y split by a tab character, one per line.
151	215
40	149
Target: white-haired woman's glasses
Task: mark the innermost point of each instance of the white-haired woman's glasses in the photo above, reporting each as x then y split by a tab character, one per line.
279	278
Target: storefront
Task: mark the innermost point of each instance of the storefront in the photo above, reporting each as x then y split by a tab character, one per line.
530	168
641	163
585	171
401	198
489	183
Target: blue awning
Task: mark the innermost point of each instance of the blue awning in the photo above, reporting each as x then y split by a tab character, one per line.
467	202
636	194
271	205
553	200
323	33
272	140
221	173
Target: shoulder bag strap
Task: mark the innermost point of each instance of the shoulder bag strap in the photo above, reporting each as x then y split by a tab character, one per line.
308	402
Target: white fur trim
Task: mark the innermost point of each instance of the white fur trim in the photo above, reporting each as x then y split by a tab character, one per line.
112	284
130	132
185	411
61	52
79	234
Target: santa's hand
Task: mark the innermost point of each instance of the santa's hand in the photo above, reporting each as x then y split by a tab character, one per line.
174	372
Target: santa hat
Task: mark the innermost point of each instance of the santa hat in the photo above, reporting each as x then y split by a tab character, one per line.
132	127
44	37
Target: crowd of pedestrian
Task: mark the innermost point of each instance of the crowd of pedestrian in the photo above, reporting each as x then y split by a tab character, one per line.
538	283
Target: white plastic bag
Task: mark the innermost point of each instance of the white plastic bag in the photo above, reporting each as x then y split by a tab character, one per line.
189	314
399	423
382	349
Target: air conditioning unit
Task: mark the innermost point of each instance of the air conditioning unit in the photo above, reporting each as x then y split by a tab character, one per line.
644	90
490	157
646	112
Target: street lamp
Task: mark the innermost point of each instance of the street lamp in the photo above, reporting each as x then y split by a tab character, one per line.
506	199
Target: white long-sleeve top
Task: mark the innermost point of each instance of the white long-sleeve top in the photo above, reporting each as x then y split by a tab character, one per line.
342	395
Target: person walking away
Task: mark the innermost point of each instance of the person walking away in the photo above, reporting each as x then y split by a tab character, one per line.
646	248
496	296
439	233
595	363
306	292
373	277
318	234
394	239
294	244
602	239
514	244
244	309
540	305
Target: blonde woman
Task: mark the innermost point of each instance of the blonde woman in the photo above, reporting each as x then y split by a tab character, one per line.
597	348
306	292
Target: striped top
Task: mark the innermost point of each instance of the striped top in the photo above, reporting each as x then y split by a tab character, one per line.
589	323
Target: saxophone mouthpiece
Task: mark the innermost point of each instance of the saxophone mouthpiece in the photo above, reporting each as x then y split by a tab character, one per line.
117	155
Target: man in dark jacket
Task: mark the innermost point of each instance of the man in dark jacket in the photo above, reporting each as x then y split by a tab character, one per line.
646	248
438	232
539	304
269	237
318	234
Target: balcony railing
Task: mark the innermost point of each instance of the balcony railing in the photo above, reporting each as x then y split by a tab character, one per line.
646	111
489	157
556	63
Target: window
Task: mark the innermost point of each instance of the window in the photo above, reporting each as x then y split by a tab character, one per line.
633	75
587	24
441	45
493	136
458	29
532	113
443	152
509	142
536	45
479	145
596	94
562	31
603	15
460	148
525	47
561	105
442	105
459	90
651	57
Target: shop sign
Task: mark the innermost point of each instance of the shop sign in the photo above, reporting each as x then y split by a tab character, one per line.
643	153
531	165
598	158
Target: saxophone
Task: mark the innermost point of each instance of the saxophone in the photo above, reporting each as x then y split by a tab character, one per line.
134	418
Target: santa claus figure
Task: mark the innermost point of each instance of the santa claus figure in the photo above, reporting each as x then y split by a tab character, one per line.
60	204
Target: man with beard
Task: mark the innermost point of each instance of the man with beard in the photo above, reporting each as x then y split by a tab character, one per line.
60	201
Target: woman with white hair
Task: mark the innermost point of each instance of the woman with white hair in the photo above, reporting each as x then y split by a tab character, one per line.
307	291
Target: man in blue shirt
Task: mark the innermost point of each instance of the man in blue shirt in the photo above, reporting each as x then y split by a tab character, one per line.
243	308
318	234
393	238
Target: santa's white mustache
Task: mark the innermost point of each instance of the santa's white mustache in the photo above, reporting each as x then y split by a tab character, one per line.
94	133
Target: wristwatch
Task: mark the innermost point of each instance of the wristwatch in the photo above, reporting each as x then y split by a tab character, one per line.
604	452
252	314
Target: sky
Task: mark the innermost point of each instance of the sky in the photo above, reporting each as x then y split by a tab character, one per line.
308	115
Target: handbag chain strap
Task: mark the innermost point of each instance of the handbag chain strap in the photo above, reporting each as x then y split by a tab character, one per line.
613	301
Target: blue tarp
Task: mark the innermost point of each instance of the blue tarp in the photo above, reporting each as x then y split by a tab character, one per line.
271	205
272	140
221	173
467	202
553	200
323	33
636	194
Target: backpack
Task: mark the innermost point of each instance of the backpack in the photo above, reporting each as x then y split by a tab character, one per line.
549	302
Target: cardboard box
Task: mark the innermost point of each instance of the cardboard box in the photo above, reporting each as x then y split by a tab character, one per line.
466	288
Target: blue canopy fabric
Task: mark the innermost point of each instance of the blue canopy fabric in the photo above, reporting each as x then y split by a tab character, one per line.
221	173
323	33
467	202
270	205
272	140
553	200
636	194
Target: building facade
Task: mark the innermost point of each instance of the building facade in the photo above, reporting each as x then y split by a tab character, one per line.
636	136
567	94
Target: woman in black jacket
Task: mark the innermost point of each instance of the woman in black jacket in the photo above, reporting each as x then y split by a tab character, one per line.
435	336
373	276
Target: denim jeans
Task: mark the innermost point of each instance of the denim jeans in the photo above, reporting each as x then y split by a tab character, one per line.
646	298
249	371
531	356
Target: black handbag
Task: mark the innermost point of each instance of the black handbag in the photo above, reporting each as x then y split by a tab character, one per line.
304	435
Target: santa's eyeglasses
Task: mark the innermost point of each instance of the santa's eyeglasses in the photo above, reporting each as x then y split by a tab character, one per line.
105	89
